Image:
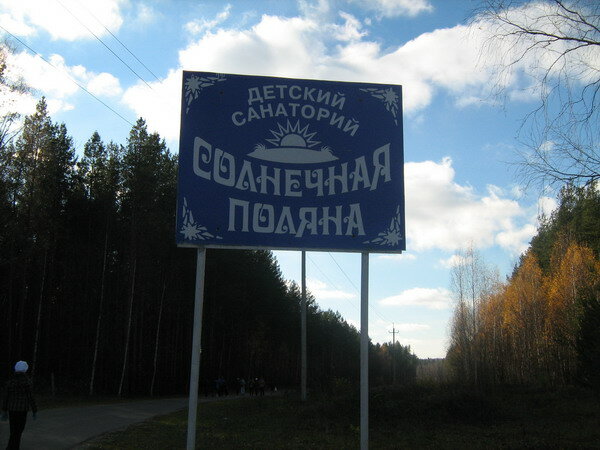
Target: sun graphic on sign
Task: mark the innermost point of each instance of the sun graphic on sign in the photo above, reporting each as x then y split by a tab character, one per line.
293	144
292	136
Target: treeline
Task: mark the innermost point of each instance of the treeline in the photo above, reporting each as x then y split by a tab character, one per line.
541	326
97	297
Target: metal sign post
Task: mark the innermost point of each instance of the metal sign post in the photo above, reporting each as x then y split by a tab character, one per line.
196	348
303	331
364	352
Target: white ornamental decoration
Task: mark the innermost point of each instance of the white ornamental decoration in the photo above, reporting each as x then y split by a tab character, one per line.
390	237
194	85
191	230
389	97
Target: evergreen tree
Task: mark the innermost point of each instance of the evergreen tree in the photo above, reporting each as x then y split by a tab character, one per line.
588	339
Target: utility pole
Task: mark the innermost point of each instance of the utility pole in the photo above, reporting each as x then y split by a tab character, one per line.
393	353
393	333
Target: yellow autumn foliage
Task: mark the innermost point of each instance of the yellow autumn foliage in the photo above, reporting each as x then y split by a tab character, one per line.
527	328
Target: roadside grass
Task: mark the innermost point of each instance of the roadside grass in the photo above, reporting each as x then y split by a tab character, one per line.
413	417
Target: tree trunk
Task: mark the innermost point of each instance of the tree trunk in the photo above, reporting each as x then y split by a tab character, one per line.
156	342
21	325
128	329
99	321
39	315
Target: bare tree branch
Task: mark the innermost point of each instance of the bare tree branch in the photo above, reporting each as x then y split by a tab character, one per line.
556	46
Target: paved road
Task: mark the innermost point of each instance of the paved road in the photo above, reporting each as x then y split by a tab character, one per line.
64	428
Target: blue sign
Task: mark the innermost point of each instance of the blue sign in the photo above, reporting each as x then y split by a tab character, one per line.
284	163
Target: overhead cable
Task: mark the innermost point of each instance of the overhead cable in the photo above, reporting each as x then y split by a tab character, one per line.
102	42
330	282
119	41
357	290
66	73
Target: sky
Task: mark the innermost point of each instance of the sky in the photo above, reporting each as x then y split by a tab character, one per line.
103	64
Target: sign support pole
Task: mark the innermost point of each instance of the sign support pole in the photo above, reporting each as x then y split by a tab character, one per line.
196	348
364	352
303	331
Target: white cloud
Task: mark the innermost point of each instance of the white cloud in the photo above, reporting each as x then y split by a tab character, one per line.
15	25
57	81
322	291
381	331
316	10
430	298
350	31
397	257
443	214
547	146
159	105
275	46
427	348
57	105
516	239
145	14
453	261
39	75
394	8
546	206
410	327
517	191
104	84
200	26
57	18
415	335
299	47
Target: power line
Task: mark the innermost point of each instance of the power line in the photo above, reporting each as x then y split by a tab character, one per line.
102	42
357	290
322	273
330	282
342	270
66	73
119	41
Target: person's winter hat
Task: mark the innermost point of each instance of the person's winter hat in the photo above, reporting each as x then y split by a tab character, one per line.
21	366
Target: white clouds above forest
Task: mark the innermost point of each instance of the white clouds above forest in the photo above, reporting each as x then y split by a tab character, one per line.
58	81
443	214
322	291
299	47
320	41
61	19
430	298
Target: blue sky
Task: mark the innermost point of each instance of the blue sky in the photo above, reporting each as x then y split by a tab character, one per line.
458	137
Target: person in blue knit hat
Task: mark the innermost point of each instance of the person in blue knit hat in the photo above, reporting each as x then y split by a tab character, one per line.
16	401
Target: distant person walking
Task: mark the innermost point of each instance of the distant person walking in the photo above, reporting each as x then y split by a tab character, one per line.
16	401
